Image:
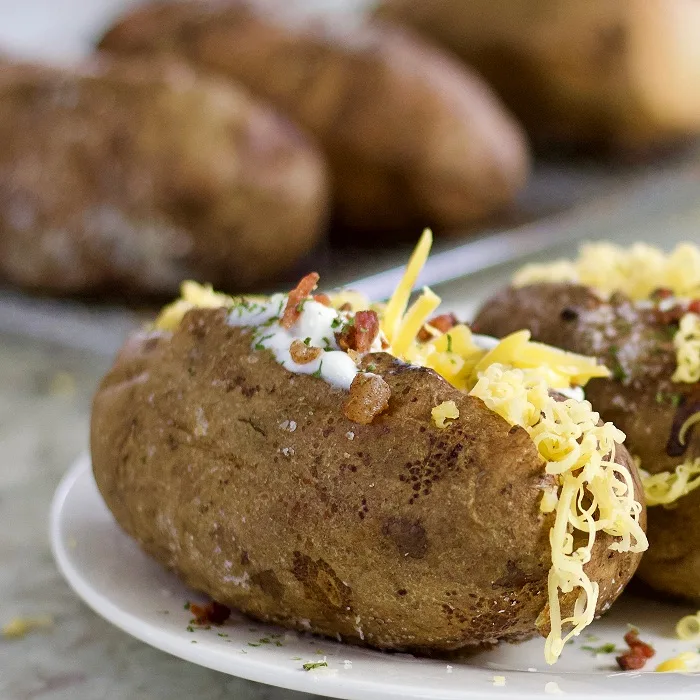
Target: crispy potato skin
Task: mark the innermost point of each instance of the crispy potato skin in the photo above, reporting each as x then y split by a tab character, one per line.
612	74
412	137
396	534
643	347
131	177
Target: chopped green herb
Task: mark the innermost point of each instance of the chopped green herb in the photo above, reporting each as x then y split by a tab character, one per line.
264	640
278	643
618	370
676	400
259	343
371	367
336	323
301	304
315	664
296	658
187	605
307	341
190	628
194	641
222	634
252	644
327	344
449	343
608	648
317	373
320	652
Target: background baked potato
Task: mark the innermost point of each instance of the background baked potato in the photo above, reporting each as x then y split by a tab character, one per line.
129	177
412	137
251	483
635	341
616	74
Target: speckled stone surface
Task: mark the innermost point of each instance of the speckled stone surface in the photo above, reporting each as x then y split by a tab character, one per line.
45	394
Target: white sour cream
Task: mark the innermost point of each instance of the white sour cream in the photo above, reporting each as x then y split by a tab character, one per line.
317	325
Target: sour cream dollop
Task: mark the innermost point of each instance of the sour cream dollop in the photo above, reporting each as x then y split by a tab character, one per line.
316	326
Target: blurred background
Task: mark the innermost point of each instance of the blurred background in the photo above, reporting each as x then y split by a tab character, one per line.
245	142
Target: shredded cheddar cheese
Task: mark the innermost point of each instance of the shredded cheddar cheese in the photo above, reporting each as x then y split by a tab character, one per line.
636	271
687	345
447	410
688	628
396	306
666	488
580	454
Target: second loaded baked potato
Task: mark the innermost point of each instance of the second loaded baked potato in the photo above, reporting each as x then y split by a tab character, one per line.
637	310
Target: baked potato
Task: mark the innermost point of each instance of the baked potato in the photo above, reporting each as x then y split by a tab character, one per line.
610	74
637	311
128	178
293	461
412	137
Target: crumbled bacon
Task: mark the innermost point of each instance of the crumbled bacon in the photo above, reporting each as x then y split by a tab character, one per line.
359	335
322	299
347	306
638	654
694	306
441	323
369	396
661	293
211	614
302	353
296	297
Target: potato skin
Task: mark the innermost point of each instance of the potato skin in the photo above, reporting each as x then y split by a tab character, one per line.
574	318
128	178
396	534
412	137
612	74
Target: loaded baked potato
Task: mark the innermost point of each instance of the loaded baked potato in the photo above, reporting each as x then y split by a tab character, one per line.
130	177
637	310
359	472
412	137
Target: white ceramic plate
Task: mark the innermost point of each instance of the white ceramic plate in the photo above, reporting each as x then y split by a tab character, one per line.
113	576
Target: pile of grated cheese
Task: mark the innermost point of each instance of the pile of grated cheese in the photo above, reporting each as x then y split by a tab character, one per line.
580	454
636	271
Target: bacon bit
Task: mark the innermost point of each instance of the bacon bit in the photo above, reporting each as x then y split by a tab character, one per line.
694	306
296	296
347	306
369	396
642	648
661	293
361	334
302	353
211	614
638	654
441	323
322	299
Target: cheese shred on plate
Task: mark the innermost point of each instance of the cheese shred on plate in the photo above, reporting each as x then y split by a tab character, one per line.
636	271
513	377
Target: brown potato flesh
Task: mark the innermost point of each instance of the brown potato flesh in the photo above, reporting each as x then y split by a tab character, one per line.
251	484
574	318
130	177
412	137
